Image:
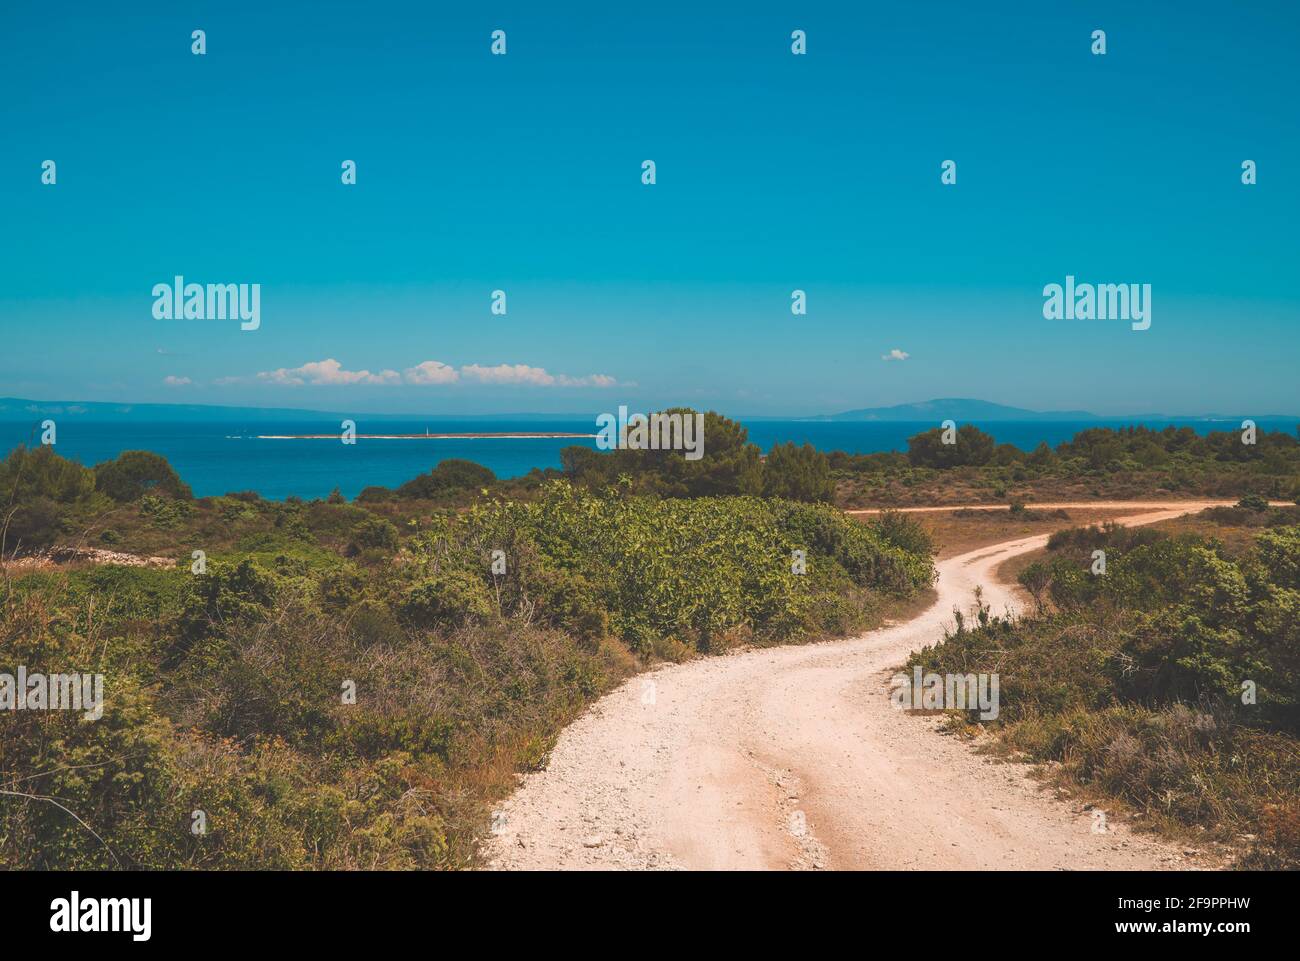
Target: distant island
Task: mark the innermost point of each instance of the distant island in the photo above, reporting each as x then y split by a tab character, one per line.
480	435
961	409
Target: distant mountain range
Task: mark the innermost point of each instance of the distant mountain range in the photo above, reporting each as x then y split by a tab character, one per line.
960	409
956	408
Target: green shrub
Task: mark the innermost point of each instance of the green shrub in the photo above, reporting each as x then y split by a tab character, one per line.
28	474
904	532
32	525
452	474
570	602
448	599
1279	551
134	473
339	588
226	688
678	568
797	473
730	465
372	623
972	447
1173	681
220	599
165	513
373	532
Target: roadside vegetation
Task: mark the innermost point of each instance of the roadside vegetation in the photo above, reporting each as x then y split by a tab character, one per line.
472	618
226	673
732	466
1100	463
1168	685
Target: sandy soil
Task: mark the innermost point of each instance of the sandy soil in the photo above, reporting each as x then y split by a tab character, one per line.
794	758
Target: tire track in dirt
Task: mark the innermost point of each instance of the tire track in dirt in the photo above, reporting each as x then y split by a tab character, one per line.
793	758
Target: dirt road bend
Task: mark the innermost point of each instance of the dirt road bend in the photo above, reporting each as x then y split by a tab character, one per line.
794	758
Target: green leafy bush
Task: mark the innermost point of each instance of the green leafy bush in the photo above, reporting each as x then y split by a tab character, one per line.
220	599
690	568
134	473
797	473
972	447
226	689
1253	502
33	524
373	532
27	474
730	464
1172	680
450	598
452	474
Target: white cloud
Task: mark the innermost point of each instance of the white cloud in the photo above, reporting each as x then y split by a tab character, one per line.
510	374
171	380
592	380
327	373
533	376
895	354
431	372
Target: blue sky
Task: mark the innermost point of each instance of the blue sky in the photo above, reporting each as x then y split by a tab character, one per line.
775	172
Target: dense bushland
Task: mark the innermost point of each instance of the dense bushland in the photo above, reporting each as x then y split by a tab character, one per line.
731	466
228	689
1170	681
1129	462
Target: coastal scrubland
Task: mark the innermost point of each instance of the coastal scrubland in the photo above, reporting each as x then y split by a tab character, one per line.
1164	684
1128	463
335	684
340	683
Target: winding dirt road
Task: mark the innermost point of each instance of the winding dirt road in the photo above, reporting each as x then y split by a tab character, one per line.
793	758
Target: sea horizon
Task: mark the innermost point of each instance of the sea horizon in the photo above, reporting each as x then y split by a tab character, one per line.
693	439
276	460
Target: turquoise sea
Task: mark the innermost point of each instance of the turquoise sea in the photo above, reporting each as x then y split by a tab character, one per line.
216	458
